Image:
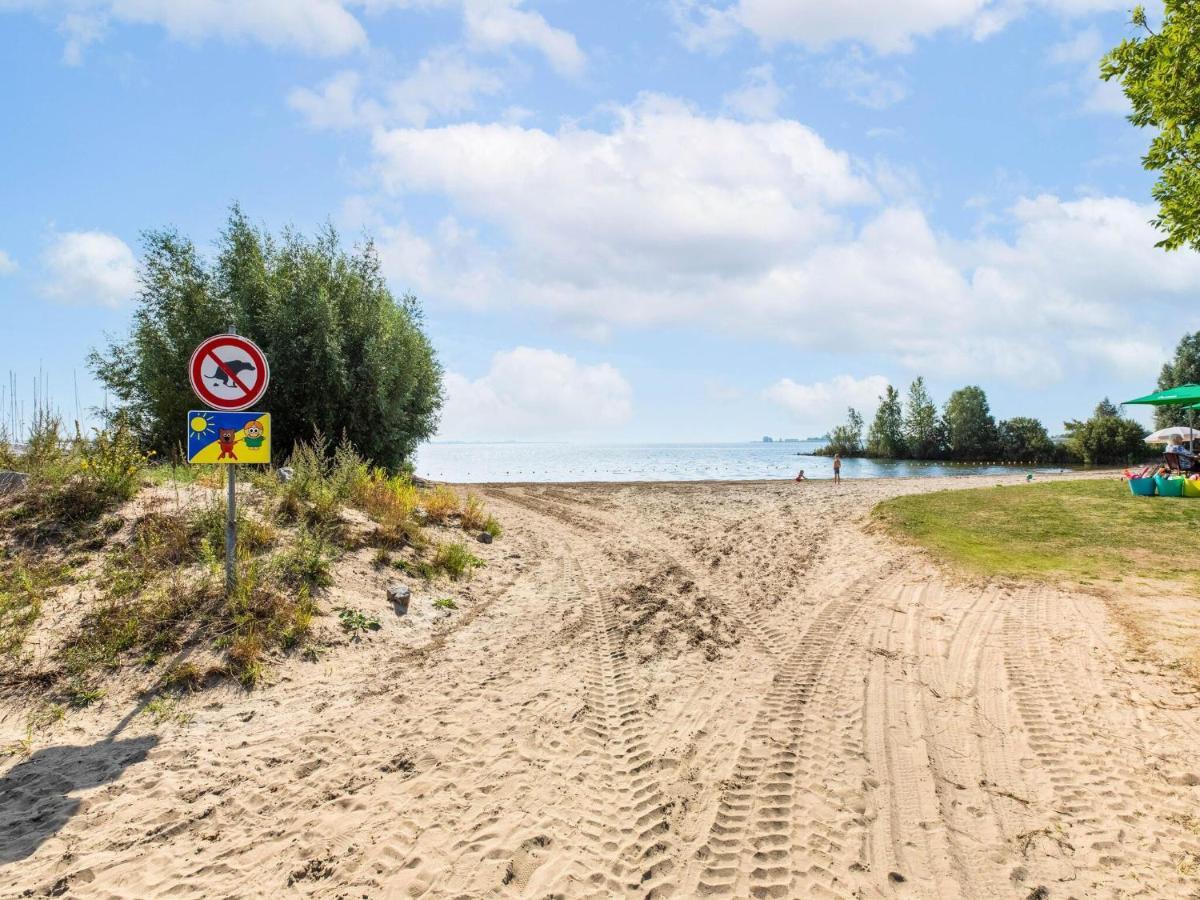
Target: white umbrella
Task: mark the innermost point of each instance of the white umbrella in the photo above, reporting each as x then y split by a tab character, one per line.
1171	435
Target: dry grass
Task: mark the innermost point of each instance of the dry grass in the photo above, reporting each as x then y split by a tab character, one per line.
440	503
161	587
473	516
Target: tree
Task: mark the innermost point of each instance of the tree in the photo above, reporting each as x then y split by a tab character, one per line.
922	436
886	437
970	428
846	439
1184	368
1023	439
347	358
1106	409
1160	73
1105	439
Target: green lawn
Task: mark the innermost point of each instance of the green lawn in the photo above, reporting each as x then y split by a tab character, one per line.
1075	530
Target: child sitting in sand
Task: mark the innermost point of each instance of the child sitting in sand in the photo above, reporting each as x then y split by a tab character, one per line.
800	476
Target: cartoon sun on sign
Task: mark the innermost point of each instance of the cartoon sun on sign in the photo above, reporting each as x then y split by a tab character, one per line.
202	424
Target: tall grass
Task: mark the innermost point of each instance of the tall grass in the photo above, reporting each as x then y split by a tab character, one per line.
455	560
160	588
440	504
72	481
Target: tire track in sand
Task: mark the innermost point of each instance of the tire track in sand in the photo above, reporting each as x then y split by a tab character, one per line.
629	821
1120	819
749	849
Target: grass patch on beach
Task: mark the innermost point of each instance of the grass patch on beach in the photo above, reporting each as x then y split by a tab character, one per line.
23	588
1078	530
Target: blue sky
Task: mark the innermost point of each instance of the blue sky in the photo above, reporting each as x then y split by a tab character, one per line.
676	220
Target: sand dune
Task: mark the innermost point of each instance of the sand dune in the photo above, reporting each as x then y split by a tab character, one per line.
651	690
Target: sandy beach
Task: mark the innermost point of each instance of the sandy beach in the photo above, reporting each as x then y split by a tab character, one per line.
667	690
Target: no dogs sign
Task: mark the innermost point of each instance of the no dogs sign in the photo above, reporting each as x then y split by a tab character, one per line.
229	372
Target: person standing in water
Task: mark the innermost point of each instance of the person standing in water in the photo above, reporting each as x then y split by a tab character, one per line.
837	468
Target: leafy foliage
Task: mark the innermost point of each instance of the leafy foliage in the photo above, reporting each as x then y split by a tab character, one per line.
970	428
1024	439
846	440
1183	368
347	358
1106	437
886	438
1160	73
354	621
922	433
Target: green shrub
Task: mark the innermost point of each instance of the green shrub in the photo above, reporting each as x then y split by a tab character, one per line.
111	463
455	560
354	621
306	563
347	355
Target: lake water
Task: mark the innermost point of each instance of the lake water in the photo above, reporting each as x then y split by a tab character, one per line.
465	463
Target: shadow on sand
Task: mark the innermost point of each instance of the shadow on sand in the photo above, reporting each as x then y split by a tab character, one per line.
35	799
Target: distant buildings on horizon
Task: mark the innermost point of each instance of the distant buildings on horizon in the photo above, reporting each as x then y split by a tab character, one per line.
767	439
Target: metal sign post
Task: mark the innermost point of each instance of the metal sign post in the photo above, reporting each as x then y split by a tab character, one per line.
238	378
231	532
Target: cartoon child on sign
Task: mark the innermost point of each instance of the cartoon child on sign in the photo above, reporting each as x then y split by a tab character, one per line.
254	434
226	438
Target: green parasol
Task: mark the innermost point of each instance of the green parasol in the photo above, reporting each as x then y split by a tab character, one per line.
1185	395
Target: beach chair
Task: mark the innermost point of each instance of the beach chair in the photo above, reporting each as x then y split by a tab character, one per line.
1178	463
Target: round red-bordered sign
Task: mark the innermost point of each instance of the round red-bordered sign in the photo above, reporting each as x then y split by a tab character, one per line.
229	372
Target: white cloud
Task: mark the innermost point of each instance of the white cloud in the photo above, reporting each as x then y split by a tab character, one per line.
822	404
887	26
862	85
89	267
529	393
673	219
502	23
8	265
665	195
1082	53
315	27
81	30
758	97
336	105
443	84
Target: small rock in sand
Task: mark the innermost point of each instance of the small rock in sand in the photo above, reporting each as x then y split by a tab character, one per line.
11	482
484	537
398	595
